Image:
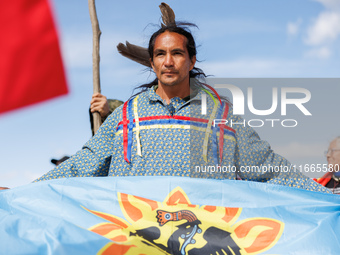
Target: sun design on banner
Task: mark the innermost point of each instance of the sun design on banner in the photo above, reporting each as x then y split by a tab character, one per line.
175	226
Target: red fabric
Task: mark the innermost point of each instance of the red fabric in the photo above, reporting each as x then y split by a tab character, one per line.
222	127
324	179
31	68
125	131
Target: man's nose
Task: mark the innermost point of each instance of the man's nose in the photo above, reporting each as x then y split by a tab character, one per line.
168	61
329	153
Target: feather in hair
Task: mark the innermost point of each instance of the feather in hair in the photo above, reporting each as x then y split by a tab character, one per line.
135	53
168	15
140	54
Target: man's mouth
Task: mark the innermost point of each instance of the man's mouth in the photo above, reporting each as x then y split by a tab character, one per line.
169	72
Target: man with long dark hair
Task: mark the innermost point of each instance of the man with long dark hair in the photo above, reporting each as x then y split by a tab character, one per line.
159	131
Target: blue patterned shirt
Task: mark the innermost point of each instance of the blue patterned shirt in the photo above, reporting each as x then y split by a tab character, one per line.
148	137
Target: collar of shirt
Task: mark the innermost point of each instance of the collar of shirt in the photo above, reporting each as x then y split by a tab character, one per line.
175	103
153	96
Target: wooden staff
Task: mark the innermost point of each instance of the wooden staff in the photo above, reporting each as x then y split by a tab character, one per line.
95	59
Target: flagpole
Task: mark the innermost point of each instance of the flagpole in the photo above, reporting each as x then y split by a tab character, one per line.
95	59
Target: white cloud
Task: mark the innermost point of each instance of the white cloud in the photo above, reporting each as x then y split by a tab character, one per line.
321	53
325	29
331	4
322	32
293	28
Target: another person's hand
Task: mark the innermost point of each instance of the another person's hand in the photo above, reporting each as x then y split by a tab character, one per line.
2	188
99	104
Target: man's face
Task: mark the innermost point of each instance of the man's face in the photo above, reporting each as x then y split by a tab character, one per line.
171	61
333	157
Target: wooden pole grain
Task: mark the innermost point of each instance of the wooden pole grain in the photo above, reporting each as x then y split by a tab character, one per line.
95	59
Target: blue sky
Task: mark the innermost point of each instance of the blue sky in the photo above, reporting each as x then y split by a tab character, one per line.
239	39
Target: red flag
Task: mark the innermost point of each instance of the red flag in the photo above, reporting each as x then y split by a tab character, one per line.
31	68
